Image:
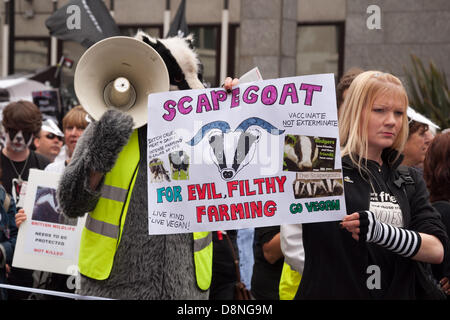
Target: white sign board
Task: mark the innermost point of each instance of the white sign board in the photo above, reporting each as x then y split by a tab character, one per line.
265	154
47	240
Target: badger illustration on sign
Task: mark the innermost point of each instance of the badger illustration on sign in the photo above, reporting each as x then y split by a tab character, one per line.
232	150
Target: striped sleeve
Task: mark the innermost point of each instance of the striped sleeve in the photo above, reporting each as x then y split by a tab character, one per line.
401	241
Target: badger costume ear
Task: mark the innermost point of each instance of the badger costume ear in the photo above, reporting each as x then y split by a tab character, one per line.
157	45
141	35
176	75
190	41
181	60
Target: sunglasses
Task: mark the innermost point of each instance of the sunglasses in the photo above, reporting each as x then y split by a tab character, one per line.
52	136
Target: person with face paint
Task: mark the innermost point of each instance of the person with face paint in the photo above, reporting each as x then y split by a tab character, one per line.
74	123
22	121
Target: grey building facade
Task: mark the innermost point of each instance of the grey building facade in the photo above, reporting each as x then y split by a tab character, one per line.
281	37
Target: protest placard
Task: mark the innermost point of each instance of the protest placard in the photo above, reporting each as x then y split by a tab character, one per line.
47	240
265	154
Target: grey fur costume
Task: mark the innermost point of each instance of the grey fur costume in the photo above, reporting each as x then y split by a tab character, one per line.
145	266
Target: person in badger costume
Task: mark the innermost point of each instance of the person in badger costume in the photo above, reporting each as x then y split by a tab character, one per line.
118	258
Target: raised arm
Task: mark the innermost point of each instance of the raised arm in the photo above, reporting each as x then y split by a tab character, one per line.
95	154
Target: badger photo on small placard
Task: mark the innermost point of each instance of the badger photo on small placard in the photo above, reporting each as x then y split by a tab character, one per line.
222	161
307	153
47	240
318	184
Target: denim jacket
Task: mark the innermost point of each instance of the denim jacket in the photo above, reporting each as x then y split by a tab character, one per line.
8	236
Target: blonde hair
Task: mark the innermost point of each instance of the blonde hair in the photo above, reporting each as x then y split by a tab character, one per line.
354	115
76	117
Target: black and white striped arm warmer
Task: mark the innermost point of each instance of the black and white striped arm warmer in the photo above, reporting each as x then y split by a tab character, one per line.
398	240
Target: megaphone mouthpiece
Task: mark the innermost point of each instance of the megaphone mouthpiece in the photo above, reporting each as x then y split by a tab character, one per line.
120	94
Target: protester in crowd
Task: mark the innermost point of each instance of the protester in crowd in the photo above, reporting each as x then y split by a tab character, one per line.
224	275
291	235
291	242
340	256
268	263
344	84
74	123
139	266
430	133
49	141
436	172
22	121
8	236
245	246
416	146
72	117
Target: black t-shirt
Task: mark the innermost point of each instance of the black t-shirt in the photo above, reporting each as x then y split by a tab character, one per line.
266	276
35	161
19	276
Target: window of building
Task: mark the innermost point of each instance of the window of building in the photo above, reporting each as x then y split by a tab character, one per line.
207	42
31	54
320	48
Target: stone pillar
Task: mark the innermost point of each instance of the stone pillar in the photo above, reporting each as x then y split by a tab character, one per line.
268	32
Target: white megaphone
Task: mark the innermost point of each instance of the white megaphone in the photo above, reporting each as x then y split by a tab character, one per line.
119	73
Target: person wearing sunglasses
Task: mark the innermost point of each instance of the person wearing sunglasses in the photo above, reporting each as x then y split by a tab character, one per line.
49	141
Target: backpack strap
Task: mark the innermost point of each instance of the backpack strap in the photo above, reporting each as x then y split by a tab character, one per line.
406	182
7	201
405	179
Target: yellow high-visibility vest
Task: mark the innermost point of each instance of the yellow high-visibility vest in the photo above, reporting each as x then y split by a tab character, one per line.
289	282
104	225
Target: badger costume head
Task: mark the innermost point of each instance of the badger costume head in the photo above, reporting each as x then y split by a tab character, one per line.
185	70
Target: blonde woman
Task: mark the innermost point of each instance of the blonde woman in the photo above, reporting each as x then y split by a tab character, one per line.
370	254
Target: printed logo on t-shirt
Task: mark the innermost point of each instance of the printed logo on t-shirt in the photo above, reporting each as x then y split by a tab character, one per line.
19	188
386	209
16	187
